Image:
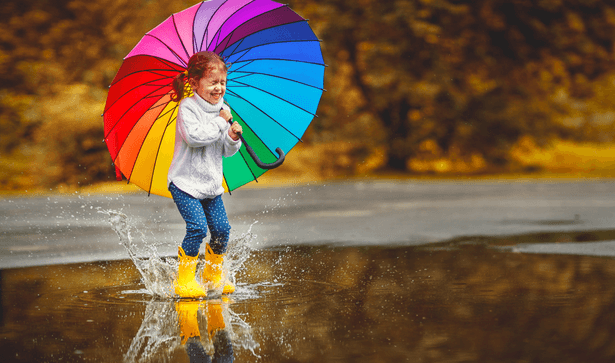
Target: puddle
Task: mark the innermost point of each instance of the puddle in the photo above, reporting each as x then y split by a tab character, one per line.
466	303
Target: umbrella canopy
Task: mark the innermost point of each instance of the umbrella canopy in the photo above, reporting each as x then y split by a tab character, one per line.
274	85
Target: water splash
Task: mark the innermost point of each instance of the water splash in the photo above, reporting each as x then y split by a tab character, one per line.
159	273
158	337
241	332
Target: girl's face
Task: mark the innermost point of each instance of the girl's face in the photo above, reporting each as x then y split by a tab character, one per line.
211	87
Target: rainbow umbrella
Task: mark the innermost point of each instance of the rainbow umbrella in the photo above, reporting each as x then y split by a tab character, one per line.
274	85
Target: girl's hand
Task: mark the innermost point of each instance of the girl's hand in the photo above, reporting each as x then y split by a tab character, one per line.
226	115
235	130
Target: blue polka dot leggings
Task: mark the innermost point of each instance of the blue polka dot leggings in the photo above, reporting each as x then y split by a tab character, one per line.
200	214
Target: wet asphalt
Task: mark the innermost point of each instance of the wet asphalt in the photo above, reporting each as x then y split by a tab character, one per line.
42	230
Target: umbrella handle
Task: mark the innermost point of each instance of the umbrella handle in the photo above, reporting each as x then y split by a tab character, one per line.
258	161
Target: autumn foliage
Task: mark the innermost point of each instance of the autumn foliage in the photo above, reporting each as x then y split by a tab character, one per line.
418	86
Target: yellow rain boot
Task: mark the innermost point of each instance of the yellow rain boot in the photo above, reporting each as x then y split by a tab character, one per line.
215	320
187	319
214	272
186	285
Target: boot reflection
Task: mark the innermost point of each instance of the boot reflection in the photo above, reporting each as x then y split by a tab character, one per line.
190	333
187	317
223	348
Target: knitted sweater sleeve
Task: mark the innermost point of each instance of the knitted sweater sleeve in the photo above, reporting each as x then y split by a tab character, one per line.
230	146
195	131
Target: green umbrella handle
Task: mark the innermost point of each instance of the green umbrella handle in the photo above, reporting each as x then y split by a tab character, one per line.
258	161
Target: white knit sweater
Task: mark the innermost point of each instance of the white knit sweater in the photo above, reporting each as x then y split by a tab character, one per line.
201	139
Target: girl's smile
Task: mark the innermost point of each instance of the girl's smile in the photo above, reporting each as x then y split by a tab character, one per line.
211	87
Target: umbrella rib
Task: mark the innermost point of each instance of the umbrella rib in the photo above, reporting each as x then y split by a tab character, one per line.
170	69
278	97
166	113
229	37
213	44
282	59
264	113
271	27
137	86
179	37
153	94
193	23
129	108
171	65
141	146
216	36
219	32
204	39
248	165
247	50
242	66
263	142
168	62
157	153
158	95
247	74
169	48
243	156
152	71
238	44
171	119
157	106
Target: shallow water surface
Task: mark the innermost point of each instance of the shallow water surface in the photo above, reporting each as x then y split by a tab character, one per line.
322	304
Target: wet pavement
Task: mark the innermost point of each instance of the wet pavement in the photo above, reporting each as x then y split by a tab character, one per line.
351	272
65	229
472	303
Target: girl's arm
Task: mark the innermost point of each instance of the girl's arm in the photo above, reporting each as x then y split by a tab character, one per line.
230	146
197	132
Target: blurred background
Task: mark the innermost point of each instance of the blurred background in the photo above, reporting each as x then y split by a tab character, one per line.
415	88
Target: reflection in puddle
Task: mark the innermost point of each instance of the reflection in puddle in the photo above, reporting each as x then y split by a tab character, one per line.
208	330
311	304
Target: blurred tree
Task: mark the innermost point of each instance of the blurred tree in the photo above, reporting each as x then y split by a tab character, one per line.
408	80
57	59
460	78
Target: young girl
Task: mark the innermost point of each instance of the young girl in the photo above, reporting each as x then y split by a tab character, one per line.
203	136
